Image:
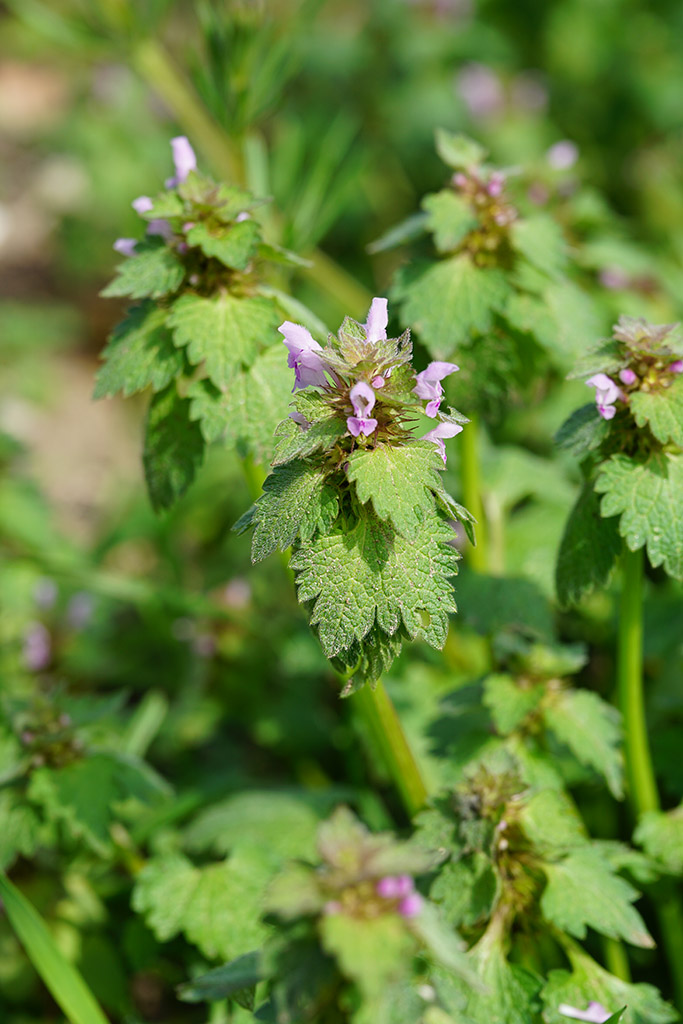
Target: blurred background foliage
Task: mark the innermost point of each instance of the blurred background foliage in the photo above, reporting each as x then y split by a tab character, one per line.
127	635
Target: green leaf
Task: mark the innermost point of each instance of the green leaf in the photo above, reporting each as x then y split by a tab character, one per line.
588	550
510	701
583	891
539	239
174	448
450	301
295	443
153	272
662	411
466	890
583	432
458	151
244	972
140	353
489	604
649	497
591	728
223	332
296	502
61	977
588	982
83	794
400	481
551	822
249	412
234	245
449	218
217	907
370	574
370	952
406	231
661	836
20	832
279	822
508	994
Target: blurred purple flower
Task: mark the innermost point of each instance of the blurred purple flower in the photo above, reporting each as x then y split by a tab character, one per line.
606	394
429	386
529	91
80	609
37	649
242	216
309	369
562	155
480	89
184	160
676	367
126	246
376	323
160	227
362	399
595	1013
613	278
143	204
439	433
45	592
627	376
411	905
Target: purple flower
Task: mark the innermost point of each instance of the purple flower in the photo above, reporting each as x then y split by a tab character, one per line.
362	399
376	323
309	369
160	227
395	886
438	433
613	278
429	387
299	418
242	216
496	184
411	905
606	394
676	367
37	647
378	382
563	155
126	246
595	1013
627	376
184	160
480	90
143	204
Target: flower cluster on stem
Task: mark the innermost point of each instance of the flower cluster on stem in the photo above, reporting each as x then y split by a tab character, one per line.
644	361
367	377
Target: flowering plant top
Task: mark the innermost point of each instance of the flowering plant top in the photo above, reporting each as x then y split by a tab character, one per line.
631	445
358	493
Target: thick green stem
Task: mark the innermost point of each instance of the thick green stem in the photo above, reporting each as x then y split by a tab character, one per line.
639	771
471	492
380	716
642	785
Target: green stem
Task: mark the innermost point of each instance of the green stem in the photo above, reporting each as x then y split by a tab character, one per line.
639	771
471	492
616	959
642	785
379	714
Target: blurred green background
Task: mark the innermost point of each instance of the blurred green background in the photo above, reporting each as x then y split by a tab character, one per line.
156	633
